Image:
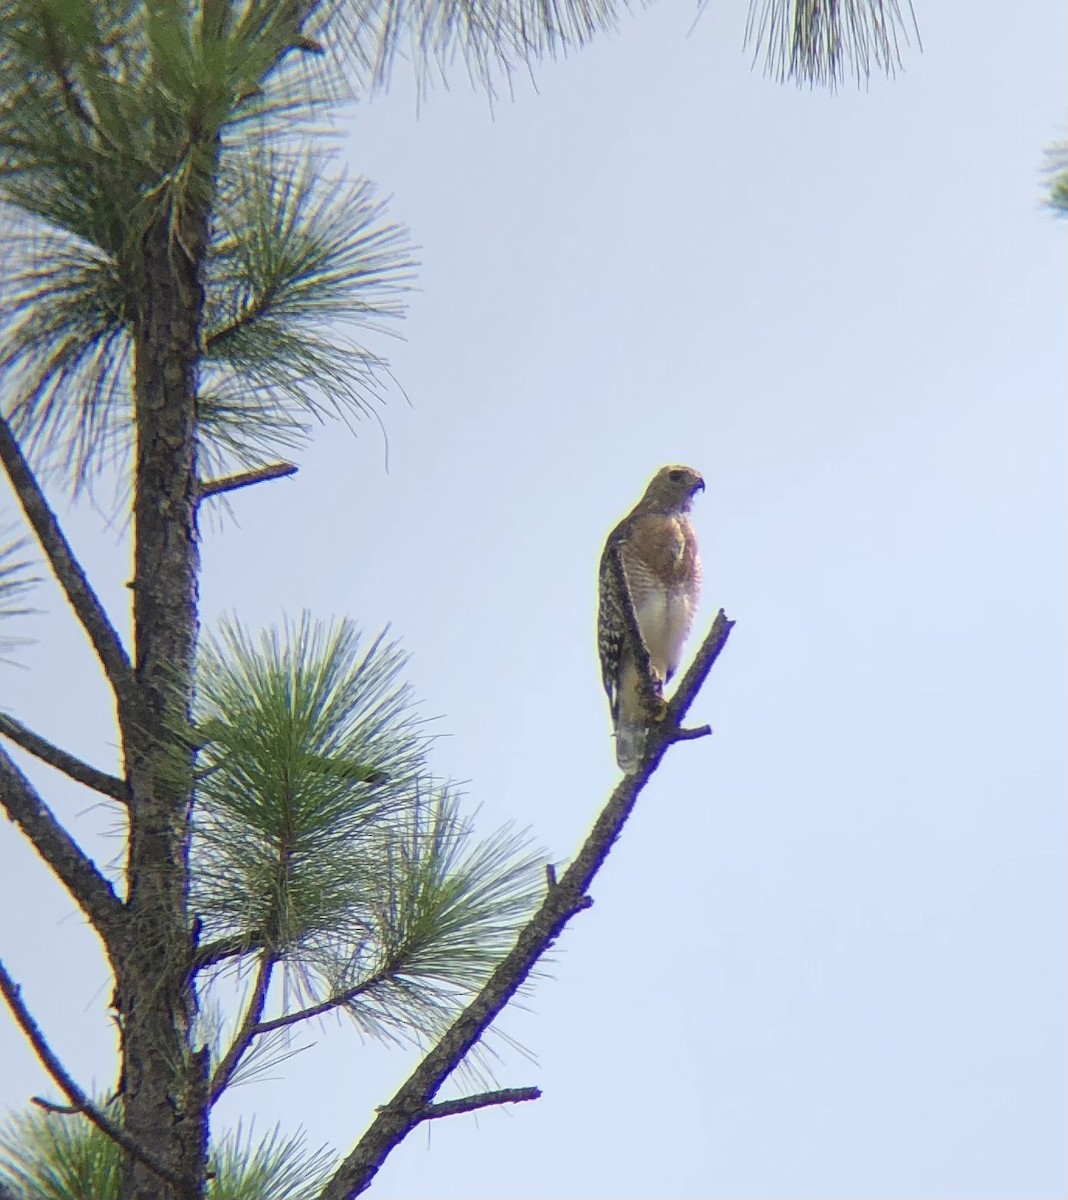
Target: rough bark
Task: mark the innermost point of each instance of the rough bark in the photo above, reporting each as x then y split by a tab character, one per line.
164	1078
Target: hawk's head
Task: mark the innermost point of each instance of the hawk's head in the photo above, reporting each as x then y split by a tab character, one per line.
672	489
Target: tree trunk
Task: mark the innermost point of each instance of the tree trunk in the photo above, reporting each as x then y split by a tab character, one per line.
165	1081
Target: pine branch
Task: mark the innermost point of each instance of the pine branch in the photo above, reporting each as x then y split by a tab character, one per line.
66	568
81	1102
694	680
245	318
327	1005
247	1031
450	1108
50	1106
70	864
231	483
234	946
562	901
71	766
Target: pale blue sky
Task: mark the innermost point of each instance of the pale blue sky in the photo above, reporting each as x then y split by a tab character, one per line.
827	958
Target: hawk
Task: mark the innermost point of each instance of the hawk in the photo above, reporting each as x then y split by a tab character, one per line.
649	583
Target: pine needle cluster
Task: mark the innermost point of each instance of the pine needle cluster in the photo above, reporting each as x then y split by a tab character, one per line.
302	263
60	1156
324	846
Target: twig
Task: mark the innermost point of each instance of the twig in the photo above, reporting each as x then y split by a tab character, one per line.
327	1005
71	865
213	953
66	568
61	1110
396	1119
74	768
231	483
450	1108
247	1030
689	735
78	1098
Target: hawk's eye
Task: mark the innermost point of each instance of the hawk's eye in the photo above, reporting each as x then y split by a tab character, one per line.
676	476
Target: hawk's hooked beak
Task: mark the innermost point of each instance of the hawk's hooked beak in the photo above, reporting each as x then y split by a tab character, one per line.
699	486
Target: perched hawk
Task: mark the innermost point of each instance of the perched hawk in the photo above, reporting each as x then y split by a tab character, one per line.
651	570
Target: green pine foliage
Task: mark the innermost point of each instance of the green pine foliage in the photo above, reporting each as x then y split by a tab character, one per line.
323	841
94	146
822	44
54	1156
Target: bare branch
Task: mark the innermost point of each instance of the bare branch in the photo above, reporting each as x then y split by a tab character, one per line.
71	865
74	768
66	568
231	483
62	1110
690	735
697	672
396	1119
247	1031
450	1108
79	1100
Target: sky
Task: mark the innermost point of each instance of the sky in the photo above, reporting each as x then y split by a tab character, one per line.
827	957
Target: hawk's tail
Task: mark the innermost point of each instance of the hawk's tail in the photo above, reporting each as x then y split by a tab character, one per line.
630	719
630	745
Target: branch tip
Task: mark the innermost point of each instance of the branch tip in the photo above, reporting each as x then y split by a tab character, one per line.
451	1108
231	483
62	1110
689	735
